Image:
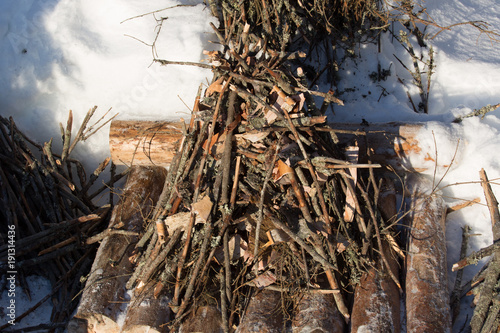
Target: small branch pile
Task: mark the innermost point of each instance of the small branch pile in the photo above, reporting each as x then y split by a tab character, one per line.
260	194
49	220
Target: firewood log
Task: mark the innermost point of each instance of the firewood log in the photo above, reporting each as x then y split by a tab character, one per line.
377	299
427	298
144	142
147	314
207	319
317	312
104	294
155	142
263	314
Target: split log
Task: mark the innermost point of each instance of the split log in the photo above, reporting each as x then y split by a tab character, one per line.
427	298
104	294
317	312
263	314
377	299
132	142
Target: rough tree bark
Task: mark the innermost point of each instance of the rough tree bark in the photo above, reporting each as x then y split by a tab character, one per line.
263	314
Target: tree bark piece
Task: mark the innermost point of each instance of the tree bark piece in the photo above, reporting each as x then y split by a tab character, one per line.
104	294
427	299
263	314
144	142
318	313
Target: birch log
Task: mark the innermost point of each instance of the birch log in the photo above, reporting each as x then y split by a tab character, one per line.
427	298
104	295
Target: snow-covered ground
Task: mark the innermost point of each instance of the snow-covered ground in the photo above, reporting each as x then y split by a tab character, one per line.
57	55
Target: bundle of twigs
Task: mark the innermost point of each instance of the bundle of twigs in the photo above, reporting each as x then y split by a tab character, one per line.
50	223
260	194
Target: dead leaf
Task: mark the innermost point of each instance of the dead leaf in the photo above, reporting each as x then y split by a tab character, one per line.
203	208
178	221
277	236
253	136
216	86
238	248
281	169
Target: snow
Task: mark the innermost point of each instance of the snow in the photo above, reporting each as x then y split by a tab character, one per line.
39	288
57	55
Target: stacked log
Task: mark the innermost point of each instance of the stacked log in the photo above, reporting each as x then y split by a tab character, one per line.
376	305
427	299
317	312
147	313
264	314
144	142
377	299
104	297
156	142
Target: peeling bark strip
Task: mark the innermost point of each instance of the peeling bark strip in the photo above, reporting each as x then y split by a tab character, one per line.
427	299
104	295
317	313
